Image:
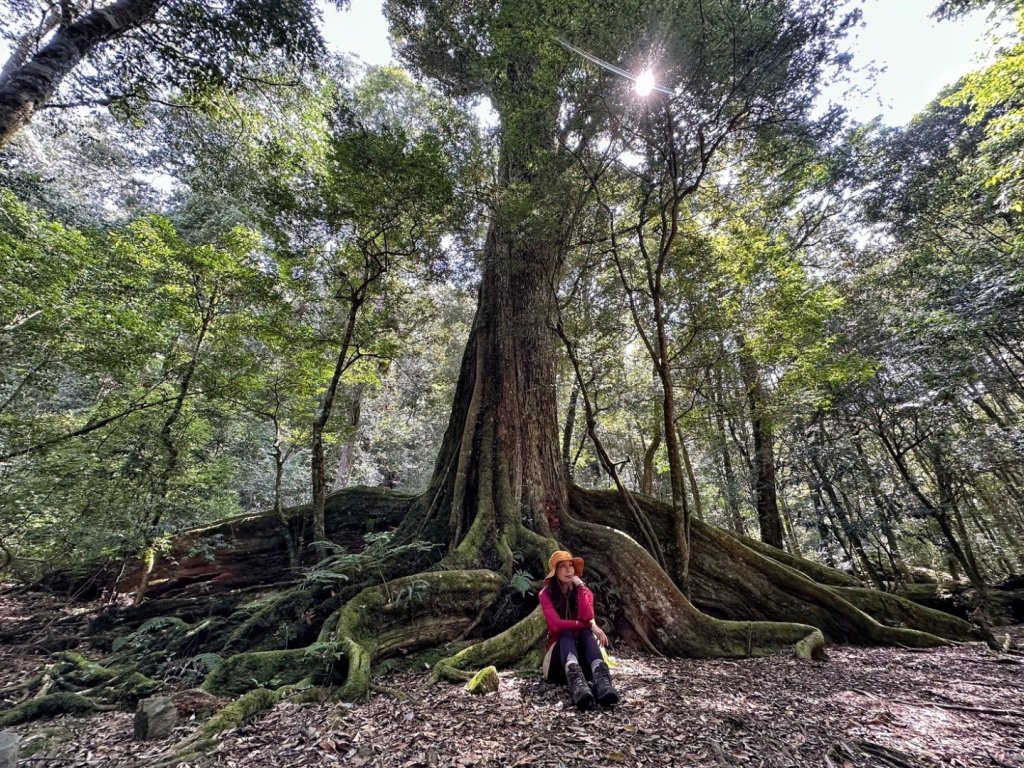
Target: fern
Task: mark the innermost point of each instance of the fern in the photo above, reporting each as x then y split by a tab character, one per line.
380	551
522	581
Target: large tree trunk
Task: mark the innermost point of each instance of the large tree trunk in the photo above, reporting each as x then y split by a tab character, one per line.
499	472
28	87
499	485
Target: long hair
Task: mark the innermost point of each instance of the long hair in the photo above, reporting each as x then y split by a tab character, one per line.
567	605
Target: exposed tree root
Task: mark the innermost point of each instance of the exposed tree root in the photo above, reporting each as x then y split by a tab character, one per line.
812	570
656	607
50	705
897	611
747	600
73	684
729	579
272	669
414	612
502	650
245	709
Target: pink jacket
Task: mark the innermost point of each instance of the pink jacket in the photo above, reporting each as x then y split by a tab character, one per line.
558	625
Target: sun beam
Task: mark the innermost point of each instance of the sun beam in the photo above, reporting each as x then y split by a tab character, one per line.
644	83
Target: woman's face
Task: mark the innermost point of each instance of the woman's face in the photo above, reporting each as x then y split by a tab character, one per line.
564	572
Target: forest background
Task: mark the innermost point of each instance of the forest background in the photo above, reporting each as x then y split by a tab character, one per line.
180	271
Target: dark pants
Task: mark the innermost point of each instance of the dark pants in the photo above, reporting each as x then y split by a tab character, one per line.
583	644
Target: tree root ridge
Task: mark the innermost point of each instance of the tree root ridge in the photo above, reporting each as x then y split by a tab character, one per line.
896	611
731	580
250	549
247	708
502	650
659	611
414	612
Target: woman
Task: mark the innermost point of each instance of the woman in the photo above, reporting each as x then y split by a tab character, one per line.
573	635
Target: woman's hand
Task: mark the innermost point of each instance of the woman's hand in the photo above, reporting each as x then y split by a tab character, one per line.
602	638
577	581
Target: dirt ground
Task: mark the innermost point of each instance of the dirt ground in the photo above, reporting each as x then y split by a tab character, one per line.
862	707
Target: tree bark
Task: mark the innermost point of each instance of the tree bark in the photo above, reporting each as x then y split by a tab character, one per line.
568	430
27	88
347	454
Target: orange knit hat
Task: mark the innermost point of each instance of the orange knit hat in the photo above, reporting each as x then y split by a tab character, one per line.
561	556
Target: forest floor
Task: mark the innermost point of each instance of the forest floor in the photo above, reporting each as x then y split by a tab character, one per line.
954	707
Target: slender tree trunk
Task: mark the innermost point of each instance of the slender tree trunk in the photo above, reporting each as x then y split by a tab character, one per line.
318	474
827	527
1011	539
731	484
765	498
171	452
639	516
981	525
935	511
647	477
28	87
347	454
680	507
787	520
883	508
281	455
856	544
698	506
948	504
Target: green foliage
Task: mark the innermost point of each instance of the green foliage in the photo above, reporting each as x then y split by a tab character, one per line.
155	635
171	49
521	582
381	551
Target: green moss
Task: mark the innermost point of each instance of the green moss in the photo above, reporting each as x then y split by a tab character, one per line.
131	688
484	681
896	611
77	672
418	662
506	648
272	669
47	706
532	660
208	662
239	712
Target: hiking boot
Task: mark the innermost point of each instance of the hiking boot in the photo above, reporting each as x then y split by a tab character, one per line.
578	688
606	693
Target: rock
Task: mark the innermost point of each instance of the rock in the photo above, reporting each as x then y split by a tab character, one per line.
8	749
485	681
155	717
